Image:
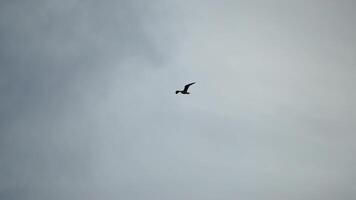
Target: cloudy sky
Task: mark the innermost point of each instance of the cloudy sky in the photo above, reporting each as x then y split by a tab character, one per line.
88	110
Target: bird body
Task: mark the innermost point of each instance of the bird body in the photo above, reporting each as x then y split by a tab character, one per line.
185	90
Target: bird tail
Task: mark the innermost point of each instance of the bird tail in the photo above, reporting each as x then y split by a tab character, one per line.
177	91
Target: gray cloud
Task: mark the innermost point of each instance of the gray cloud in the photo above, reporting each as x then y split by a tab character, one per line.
88	109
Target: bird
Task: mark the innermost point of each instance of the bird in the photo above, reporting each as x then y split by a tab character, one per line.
185	90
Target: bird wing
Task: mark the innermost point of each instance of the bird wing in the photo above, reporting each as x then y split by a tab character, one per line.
186	87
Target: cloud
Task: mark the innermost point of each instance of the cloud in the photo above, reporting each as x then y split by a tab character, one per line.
88	109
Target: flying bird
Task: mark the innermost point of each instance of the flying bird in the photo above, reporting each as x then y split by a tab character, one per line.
185	90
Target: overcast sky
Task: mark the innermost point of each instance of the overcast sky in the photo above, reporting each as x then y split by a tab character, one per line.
88	109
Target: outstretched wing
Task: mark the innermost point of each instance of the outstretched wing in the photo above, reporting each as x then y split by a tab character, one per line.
186	87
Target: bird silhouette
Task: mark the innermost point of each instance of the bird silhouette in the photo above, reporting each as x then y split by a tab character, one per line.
185	90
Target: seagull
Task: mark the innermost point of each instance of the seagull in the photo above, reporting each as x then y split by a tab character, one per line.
185	90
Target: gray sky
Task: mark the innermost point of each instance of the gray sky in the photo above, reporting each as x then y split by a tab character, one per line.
88	110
